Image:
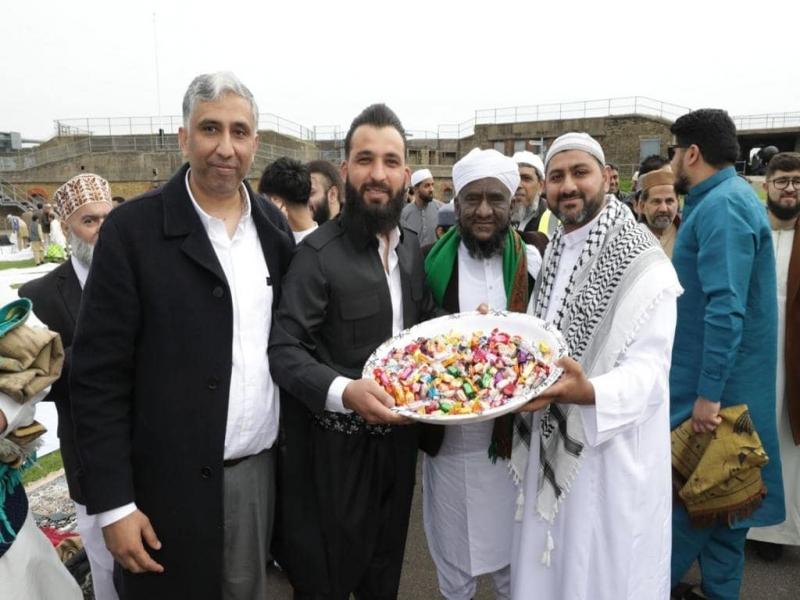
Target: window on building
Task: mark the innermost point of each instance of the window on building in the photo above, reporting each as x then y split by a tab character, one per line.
648	147
500	146
414	157
447	158
520	145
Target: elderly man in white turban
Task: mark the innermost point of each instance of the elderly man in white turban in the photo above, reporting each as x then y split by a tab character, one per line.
593	466
420	215
467	494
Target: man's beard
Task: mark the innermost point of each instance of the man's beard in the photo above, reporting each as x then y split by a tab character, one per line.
321	212
587	213
480	249
681	184
520	212
660	222
783	213
83	251
375	218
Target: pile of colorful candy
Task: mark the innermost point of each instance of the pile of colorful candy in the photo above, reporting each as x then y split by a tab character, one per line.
454	374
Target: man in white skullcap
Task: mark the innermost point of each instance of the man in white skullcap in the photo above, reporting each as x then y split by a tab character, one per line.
467	493
420	215
527	205
593	460
82	203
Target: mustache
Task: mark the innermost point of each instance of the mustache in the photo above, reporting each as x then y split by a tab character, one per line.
374	186
571	196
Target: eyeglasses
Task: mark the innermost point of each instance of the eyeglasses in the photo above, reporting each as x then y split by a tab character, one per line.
781	183
671	150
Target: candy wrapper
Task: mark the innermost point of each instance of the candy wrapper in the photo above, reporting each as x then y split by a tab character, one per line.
467	367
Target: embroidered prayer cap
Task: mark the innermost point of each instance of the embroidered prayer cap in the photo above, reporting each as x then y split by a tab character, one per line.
526	157
86	188
663	176
418	177
575	141
479	164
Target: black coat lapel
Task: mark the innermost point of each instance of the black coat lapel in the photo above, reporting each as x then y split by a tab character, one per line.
268	235
181	219
70	291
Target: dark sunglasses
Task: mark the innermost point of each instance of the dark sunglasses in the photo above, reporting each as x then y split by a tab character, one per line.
671	150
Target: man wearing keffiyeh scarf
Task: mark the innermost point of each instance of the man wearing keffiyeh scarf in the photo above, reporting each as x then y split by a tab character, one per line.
592	461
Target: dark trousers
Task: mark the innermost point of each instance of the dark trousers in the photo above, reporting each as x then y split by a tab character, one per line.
362	487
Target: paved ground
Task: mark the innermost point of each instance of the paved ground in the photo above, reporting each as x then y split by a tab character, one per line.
762	581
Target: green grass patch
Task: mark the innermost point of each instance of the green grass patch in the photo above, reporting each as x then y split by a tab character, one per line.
16	264
43	466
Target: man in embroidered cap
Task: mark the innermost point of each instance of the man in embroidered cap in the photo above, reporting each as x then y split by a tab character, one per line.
658	206
467	493
593	463
420	215
82	203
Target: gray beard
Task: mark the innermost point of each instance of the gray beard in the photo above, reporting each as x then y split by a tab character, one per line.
83	251
521	213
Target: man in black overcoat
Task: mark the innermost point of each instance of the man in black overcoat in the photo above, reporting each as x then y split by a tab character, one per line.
175	411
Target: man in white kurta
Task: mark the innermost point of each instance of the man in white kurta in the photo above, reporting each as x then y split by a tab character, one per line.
466	496
782	185
605	532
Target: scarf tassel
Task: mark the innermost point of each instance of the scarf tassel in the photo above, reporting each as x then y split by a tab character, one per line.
520	506
548	549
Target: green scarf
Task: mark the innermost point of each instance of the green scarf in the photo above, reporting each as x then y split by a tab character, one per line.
442	257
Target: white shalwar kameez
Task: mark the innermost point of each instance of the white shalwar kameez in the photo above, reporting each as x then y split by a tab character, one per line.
612	533
467	500
788	532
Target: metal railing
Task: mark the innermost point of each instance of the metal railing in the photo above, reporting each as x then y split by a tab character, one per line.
169	124
767	121
11	195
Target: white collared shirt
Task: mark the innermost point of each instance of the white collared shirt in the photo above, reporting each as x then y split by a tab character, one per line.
81	270
252	424
253	402
334	401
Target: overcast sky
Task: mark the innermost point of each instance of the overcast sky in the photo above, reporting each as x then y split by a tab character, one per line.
433	62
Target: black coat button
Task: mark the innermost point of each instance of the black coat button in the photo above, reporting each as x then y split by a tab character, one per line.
205	472
218	292
213	383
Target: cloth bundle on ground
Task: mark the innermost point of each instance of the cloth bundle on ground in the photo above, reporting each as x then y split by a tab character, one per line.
717	476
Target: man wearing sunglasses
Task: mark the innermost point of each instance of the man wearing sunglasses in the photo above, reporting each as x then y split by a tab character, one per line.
783	207
725	340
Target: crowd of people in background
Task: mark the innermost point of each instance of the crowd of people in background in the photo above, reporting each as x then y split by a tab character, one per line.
213	416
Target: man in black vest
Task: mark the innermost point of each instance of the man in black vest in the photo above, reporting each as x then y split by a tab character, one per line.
347	462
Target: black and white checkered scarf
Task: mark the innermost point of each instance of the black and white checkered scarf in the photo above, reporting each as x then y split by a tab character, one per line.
598	281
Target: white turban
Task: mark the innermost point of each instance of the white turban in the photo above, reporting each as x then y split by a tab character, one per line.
575	141
418	177
525	157
479	164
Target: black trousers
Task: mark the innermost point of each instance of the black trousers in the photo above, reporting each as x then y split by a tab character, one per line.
344	529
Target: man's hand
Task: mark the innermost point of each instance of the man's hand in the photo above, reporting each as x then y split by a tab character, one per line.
371	401
571	388
705	415
483	308
124	541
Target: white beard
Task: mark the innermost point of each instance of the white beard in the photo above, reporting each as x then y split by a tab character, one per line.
81	250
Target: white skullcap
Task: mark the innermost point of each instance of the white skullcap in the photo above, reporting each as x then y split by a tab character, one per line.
525	157
479	164
575	141
418	177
